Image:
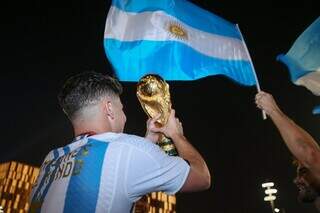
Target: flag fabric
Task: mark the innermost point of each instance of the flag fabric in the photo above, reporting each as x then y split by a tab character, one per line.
316	110
174	39
303	59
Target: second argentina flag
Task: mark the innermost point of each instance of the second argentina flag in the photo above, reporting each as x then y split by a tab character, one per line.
174	39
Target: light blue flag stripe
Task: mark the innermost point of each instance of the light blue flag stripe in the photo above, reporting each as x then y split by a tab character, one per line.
303	60
172	63
184	11
89	167
174	39
304	56
296	70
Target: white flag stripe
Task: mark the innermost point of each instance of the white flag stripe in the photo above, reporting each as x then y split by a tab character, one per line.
311	81
154	26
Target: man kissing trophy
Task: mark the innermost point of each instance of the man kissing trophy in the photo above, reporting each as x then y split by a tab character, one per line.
154	96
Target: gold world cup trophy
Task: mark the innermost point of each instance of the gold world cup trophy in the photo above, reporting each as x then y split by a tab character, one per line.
154	96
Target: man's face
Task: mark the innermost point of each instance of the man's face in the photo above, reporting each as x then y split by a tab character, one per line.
307	184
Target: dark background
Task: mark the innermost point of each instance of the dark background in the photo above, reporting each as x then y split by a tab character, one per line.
44	42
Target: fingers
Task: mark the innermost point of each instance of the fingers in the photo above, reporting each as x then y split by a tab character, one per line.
258	98
151	123
155	118
261	95
178	121
172	113
259	106
179	126
266	102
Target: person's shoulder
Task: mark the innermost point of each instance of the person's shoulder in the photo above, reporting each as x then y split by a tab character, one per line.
61	151
138	142
146	147
52	155
118	137
130	140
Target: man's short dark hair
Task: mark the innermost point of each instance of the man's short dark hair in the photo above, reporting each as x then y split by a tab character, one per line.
86	89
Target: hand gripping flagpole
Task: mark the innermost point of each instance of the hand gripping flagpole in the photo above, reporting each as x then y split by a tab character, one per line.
252	67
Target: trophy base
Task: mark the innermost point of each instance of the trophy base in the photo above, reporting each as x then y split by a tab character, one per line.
167	146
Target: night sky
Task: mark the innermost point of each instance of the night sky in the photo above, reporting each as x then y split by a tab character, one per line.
47	41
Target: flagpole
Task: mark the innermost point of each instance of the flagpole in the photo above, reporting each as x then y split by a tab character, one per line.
252	67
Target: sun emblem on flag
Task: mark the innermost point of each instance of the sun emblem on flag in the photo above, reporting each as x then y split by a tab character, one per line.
177	30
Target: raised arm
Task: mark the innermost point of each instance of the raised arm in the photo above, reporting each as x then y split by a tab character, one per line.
299	142
199	175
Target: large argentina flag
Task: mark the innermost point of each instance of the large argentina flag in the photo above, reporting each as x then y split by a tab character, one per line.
174	39
303	59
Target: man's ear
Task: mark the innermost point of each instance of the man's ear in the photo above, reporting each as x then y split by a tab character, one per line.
109	109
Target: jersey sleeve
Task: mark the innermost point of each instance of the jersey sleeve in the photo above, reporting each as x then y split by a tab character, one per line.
151	170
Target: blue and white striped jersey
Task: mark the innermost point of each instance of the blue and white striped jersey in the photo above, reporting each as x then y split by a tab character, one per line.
105	173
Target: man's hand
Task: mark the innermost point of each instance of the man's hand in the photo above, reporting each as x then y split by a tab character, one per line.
171	129
152	130
300	143
266	102
199	176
